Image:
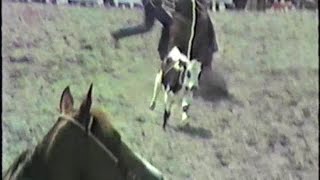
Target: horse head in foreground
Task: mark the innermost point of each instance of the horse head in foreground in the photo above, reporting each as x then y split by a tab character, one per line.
84	145
179	76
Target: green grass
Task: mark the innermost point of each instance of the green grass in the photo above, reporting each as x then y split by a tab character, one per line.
270	62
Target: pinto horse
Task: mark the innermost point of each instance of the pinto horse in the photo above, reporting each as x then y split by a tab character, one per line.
191	35
179	77
200	41
68	152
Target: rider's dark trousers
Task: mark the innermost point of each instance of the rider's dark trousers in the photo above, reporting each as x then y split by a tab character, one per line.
151	13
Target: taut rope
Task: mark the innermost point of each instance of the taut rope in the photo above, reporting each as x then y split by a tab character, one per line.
192	28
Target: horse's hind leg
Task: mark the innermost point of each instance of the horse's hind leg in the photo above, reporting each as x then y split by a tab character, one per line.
157	84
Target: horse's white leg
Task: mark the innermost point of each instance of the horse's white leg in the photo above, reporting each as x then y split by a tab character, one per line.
185	105
185	108
157	84
214	6
100	3
222	6
116	3
168	101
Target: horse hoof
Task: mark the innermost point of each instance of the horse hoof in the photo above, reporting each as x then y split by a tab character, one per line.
164	128
152	106
115	42
116	45
184	121
184	117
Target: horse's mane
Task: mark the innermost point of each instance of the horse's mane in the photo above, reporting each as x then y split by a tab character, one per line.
103	118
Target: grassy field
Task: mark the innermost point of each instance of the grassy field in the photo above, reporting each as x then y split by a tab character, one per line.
269	61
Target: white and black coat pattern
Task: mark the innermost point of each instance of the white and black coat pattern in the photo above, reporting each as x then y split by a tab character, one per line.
179	77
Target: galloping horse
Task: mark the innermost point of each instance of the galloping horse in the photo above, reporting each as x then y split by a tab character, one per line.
68	152
191	45
200	41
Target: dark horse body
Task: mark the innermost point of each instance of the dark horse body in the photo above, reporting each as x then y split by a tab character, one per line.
68	152
203	44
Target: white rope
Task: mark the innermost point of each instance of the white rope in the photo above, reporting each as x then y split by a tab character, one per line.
192	28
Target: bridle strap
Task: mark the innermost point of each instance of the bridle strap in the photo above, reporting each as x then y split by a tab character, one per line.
95	139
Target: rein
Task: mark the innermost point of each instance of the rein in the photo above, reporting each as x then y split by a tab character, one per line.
95	139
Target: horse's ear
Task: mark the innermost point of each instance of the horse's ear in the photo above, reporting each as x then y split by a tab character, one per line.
86	104
84	112
66	101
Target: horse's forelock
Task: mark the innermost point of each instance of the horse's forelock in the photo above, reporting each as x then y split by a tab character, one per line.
105	129
103	118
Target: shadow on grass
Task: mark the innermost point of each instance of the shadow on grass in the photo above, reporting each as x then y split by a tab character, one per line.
194	131
213	88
